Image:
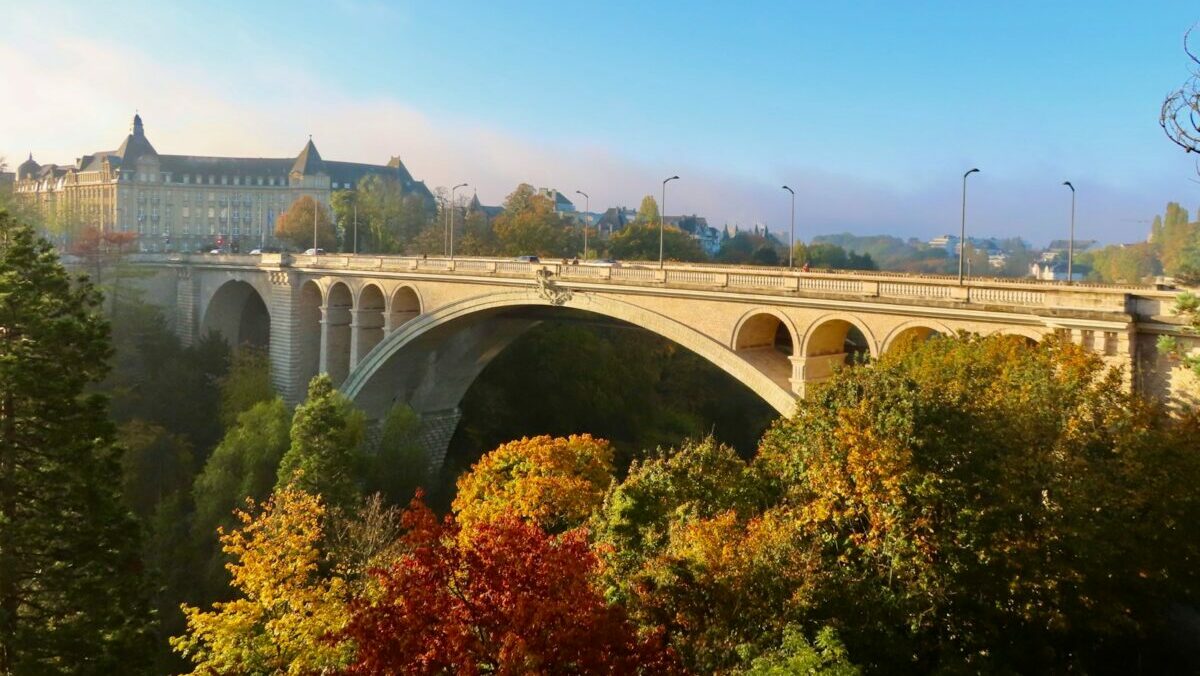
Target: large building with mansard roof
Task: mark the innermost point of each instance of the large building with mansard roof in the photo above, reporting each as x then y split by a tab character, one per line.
188	202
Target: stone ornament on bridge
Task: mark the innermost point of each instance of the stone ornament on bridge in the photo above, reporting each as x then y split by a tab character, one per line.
548	289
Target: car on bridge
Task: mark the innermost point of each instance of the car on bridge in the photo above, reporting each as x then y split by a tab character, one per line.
314	252
529	258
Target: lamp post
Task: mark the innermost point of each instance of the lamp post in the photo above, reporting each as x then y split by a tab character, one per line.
792	236
962	239
355	224
450	216
314	226
662	215
1071	241
587	219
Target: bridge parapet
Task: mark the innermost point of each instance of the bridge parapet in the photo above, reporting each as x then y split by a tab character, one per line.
898	287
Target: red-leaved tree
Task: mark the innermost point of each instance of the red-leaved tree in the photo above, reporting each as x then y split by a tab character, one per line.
506	598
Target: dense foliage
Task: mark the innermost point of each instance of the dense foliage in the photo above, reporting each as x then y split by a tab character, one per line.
71	583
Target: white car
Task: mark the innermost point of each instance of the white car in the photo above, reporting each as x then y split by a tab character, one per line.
314	252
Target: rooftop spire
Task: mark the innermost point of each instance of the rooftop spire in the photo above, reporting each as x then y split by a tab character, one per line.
137	125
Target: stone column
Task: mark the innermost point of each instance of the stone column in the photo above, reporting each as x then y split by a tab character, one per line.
335	342
366	330
185	306
286	338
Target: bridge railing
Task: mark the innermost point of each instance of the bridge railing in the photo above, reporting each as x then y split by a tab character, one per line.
873	284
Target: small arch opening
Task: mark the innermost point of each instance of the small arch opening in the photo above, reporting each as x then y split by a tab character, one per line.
309	319
766	342
831	344
368	320
336	317
405	306
911	337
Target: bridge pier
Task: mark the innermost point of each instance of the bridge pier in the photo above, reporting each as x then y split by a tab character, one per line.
437	428
366	330
335	342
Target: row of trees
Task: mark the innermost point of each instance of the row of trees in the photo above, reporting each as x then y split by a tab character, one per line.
1173	249
962	504
380	217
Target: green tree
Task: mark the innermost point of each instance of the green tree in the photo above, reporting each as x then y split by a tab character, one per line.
70	592
529	225
398	468
247	383
244	465
295	226
647	213
324	456
826	656
639	242
389	217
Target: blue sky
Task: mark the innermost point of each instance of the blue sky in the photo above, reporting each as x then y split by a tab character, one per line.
871	110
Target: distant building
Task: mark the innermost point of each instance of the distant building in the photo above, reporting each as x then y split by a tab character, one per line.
948	242
1056	271
698	227
475	206
562	205
183	202
614	219
997	260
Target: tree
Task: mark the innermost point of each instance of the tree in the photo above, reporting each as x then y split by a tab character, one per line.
287	614
399	466
529	225
323	458
247	383
70	582
389	217
555	483
826	256
1178	115
639	242
647	213
826	656
701	478
748	247
506	599
1128	264
295	226
244	465
1187	306
970	503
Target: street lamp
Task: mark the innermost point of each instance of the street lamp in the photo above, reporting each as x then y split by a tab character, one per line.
587	216
450	216
1071	241
662	215
962	238
792	237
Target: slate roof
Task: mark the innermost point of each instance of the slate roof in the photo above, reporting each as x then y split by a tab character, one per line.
308	162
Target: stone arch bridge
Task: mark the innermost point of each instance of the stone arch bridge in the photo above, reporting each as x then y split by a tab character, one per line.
419	330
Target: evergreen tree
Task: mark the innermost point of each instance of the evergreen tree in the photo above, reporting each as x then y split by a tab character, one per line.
70	578
323	458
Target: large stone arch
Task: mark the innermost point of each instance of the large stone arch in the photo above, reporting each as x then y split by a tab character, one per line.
238	313
914	330
430	361
767	339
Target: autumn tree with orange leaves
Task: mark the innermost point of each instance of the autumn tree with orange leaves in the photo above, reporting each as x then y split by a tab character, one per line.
554	482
